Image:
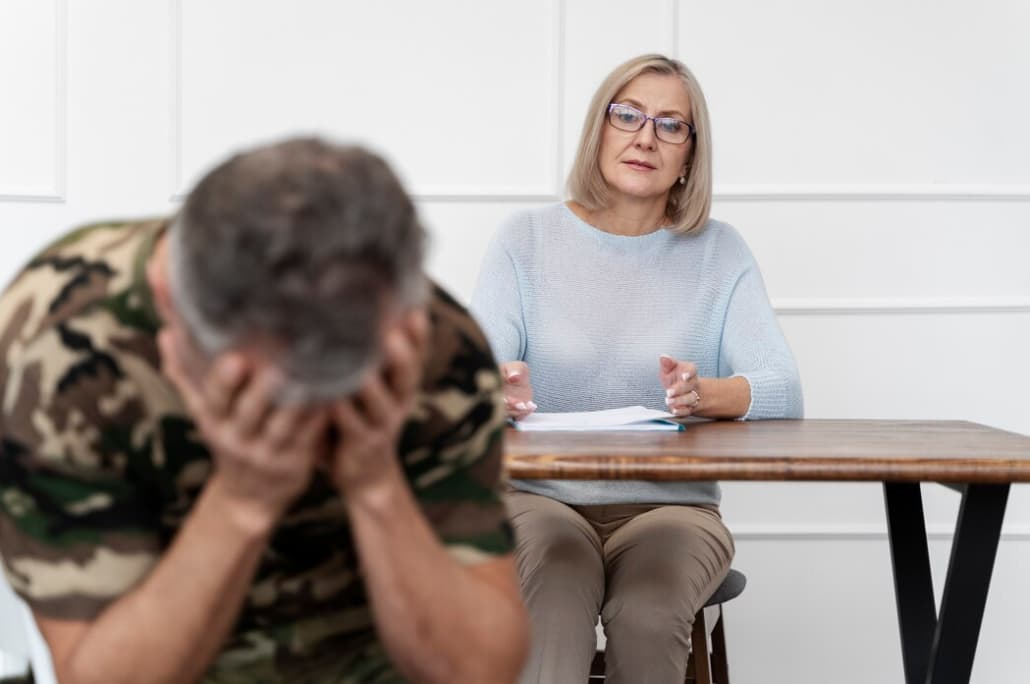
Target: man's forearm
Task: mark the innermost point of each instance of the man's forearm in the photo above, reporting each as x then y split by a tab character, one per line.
170	628
440	621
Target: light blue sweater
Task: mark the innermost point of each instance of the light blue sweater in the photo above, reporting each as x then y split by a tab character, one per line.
590	312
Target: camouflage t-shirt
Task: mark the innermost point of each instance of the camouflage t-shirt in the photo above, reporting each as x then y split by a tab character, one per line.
100	465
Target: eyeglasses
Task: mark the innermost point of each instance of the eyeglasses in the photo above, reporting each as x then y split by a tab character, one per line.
666	128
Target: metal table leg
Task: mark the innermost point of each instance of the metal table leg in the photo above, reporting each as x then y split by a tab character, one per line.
939	648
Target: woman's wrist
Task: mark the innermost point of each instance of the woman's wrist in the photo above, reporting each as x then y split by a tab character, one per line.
723	397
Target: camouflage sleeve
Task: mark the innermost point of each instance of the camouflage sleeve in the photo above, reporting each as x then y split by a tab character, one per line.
453	448
75	532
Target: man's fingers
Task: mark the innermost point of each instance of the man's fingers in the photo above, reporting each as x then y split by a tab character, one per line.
169	359
403	365
224	382
252	405
419	330
312	429
376	402
347	419
172	368
281	427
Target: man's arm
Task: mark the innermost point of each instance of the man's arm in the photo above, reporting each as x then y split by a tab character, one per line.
170	627
440	620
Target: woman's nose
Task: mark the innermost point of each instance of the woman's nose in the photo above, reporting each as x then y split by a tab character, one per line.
645	137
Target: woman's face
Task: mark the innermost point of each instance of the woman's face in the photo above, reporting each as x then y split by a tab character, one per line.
637	164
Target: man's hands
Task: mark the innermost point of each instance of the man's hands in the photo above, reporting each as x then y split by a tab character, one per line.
263	454
518	393
368	423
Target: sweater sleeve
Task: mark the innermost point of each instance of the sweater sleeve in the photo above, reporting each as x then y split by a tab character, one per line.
497	301
753	347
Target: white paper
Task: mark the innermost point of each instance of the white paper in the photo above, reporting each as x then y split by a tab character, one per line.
627	418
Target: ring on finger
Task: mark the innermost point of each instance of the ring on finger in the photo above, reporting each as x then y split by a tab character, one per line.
697	398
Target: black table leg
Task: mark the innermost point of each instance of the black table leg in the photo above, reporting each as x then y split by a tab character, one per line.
969	576
913	584
940	650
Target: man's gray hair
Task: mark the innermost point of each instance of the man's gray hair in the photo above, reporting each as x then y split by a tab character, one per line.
301	245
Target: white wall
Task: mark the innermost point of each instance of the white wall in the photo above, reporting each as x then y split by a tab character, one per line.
873	154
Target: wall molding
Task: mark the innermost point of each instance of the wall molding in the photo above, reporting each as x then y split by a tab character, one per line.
818	533
840	306
548	191
906	192
55	193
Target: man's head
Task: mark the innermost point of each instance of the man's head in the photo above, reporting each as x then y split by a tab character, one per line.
299	252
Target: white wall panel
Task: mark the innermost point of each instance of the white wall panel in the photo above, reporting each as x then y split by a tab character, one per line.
873	155
877	93
888	251
822	611
32	66
919	366
599	36
458	235
461	96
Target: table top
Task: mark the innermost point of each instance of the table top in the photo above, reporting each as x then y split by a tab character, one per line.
826	450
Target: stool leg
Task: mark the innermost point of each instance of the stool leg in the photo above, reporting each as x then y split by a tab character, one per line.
597	668
720	660
699	650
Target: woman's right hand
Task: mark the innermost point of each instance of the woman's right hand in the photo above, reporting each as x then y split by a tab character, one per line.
518	393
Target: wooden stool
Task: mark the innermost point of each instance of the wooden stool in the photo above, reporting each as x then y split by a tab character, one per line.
701	669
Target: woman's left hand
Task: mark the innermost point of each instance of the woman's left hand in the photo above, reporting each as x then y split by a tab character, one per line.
679	378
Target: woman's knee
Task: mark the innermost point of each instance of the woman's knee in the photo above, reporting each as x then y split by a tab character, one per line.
552	540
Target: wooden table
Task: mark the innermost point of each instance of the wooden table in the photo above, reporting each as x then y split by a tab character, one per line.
978	461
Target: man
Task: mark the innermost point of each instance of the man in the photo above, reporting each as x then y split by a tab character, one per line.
252	444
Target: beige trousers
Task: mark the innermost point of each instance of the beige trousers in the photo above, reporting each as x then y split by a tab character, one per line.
645	568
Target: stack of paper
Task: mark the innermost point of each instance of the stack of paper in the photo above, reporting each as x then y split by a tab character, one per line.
627	418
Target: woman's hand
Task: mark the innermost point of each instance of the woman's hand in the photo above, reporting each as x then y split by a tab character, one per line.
263	454
679	378
518	393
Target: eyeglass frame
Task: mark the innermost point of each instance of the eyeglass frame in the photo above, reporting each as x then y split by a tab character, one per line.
654	123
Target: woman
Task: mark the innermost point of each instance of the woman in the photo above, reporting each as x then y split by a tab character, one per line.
629	294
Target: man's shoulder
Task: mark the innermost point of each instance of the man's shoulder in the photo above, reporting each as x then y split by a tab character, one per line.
460	410
99	264
77	345
458	346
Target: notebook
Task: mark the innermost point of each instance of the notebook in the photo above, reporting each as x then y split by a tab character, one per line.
626	418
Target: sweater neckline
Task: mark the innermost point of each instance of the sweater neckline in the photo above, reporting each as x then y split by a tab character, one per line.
662	234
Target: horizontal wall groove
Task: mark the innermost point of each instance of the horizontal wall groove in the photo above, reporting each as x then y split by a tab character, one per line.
54	193
934	532
833	306
875	193
32	195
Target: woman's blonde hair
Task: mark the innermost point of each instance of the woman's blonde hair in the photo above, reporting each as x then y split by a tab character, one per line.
689	204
